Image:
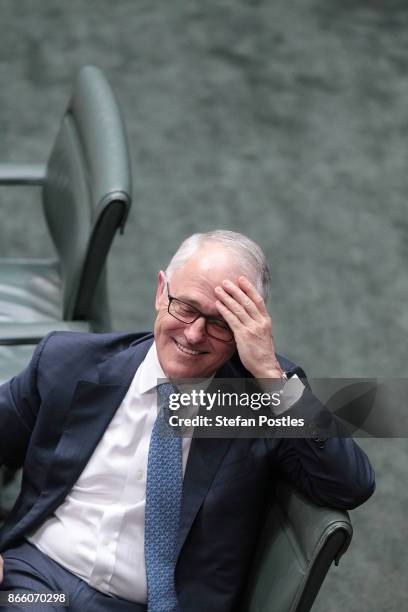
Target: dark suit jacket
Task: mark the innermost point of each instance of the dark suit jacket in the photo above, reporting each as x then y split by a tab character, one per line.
54	413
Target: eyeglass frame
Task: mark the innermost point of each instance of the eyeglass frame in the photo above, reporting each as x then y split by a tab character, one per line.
199	315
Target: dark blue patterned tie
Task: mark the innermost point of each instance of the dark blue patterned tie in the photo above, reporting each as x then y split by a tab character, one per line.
163	502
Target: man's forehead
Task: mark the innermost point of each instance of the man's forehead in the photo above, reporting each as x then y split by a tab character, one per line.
198	292
195	281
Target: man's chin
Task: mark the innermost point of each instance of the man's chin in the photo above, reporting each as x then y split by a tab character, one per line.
179	368
179	373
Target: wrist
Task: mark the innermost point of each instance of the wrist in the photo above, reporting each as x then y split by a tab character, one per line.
274	371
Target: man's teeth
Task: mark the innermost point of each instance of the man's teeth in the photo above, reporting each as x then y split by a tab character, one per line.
186	350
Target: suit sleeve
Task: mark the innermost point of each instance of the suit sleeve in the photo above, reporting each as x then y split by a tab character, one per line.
332	470
19	405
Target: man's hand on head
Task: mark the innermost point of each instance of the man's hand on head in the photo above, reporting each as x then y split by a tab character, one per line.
243	308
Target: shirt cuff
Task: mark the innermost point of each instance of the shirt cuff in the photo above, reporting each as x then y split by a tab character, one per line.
291	392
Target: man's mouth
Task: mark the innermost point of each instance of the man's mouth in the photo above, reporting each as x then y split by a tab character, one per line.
188	351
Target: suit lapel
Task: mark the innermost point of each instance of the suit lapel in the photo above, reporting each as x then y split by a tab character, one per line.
92	407
204	459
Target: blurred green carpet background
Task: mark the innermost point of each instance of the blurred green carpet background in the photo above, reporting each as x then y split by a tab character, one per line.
286	120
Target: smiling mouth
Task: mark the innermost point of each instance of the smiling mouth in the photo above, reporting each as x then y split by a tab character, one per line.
188	351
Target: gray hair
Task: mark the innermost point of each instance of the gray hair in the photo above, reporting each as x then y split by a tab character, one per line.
251	257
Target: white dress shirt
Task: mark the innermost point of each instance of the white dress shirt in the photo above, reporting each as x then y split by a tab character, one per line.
97	533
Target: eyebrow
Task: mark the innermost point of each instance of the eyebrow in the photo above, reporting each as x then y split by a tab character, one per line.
194	303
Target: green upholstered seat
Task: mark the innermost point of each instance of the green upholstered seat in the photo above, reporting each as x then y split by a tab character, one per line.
12	358
29	291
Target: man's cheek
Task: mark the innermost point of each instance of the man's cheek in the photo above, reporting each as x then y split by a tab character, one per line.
162	314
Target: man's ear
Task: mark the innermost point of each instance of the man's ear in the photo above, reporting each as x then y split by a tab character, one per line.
161	286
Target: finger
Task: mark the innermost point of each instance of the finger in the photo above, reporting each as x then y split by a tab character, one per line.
233	306
1	569
253	294
229	316
242	298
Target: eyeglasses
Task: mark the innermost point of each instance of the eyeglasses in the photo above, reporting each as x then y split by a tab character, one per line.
184	312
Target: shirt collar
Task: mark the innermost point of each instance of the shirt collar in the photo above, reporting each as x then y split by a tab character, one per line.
150	371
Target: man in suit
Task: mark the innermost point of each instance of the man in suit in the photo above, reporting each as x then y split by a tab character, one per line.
101	514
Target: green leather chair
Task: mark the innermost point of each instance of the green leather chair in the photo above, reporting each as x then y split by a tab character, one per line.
86	196
297	546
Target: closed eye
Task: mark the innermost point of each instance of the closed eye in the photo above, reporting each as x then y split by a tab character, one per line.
219	324
183	308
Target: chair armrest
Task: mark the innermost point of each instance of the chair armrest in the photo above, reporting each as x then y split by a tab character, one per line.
22	174
12	334
312	524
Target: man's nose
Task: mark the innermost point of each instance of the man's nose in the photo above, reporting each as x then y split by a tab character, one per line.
195	332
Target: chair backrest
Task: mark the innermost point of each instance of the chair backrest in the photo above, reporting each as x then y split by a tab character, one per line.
298	544
87	190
